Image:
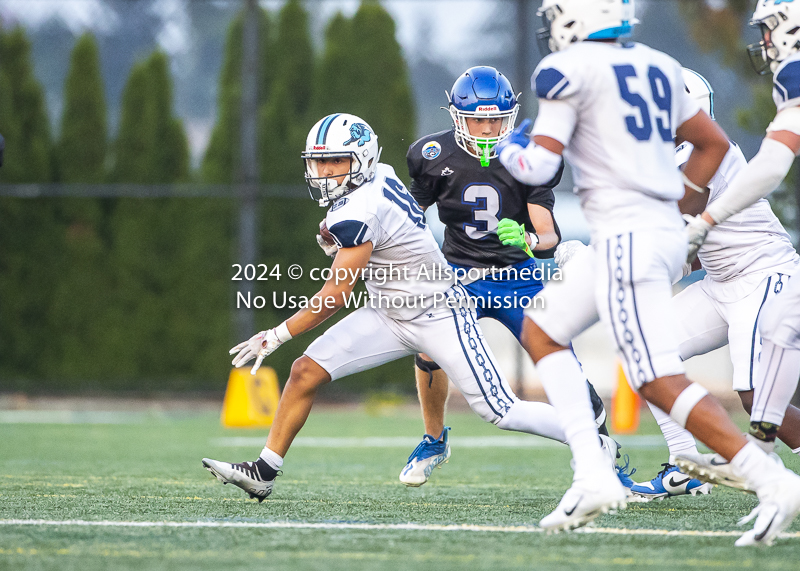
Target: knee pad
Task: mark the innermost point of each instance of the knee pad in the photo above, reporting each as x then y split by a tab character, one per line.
426	367
685	402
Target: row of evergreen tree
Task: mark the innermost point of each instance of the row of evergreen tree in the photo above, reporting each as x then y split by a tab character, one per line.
123	293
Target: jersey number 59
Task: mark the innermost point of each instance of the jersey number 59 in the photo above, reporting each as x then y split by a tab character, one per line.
660	102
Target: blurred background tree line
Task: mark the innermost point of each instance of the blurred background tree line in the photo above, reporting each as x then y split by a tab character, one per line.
135	294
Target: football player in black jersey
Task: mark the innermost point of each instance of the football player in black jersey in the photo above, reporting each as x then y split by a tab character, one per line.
492	221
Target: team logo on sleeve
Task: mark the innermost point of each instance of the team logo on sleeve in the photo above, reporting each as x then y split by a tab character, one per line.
431	150
360	133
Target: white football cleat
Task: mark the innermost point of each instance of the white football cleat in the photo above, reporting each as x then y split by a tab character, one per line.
585	501
714	469
779	504
711	468
431	453
245	475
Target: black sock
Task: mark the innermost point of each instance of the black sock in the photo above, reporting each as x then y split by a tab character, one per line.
266	471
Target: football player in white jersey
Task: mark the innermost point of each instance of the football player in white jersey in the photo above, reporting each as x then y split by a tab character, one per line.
416	305
613	109
747	260
779	367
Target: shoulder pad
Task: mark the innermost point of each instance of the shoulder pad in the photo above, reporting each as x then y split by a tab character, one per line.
551	80
431	149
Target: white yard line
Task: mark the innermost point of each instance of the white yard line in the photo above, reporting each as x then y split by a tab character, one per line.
374	526
70	417
524	441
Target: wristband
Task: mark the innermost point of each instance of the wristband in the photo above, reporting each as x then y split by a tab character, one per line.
534	240
282	333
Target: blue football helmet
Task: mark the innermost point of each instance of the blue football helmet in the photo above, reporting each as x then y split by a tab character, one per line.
482	92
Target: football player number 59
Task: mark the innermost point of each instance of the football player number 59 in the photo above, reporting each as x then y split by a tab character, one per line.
661	97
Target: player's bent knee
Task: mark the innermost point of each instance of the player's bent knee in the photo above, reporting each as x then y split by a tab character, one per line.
306	373
686	401
481	408
536	342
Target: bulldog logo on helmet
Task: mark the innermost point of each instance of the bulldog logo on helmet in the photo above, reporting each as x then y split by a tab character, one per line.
359	132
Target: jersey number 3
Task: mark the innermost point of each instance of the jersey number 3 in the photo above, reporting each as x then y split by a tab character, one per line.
661	97
485	202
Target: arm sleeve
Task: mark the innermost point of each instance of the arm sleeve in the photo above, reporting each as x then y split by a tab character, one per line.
761	176
556	119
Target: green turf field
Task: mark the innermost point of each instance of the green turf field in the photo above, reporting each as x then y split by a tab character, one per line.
149	471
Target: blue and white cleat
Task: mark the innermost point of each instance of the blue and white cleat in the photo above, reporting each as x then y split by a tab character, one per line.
429	454
624	473
668	483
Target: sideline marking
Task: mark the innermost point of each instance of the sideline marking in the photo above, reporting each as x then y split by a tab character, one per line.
526	441
381	526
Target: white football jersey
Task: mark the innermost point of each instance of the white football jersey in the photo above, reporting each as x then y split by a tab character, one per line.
616	108
749	242
786	83
404	250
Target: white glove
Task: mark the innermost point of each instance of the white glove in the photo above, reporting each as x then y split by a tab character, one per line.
329	249
259	346
566	250
696	231
687	269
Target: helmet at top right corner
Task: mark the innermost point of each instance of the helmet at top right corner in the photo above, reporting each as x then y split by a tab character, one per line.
779	22
567	22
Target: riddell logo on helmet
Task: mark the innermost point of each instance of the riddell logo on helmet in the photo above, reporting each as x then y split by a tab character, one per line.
487	108
319	147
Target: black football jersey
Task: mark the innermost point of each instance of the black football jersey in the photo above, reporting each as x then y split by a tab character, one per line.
472	199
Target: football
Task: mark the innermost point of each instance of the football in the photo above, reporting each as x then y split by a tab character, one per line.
326	235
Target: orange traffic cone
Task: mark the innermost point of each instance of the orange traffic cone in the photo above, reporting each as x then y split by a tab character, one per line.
624	406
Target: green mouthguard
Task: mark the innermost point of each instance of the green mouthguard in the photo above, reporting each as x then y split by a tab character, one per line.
485	149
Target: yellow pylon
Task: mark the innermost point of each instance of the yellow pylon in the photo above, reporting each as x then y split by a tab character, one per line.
624	406
250	400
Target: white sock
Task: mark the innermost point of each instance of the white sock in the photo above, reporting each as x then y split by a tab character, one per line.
534	418
271	458
776	382
752	463
796	451
566	388
678	439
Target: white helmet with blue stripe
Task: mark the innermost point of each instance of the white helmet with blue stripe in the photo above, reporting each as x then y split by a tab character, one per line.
570	21
340	135
700	89
779	22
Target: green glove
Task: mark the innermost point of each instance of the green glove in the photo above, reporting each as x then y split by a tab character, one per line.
513	234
